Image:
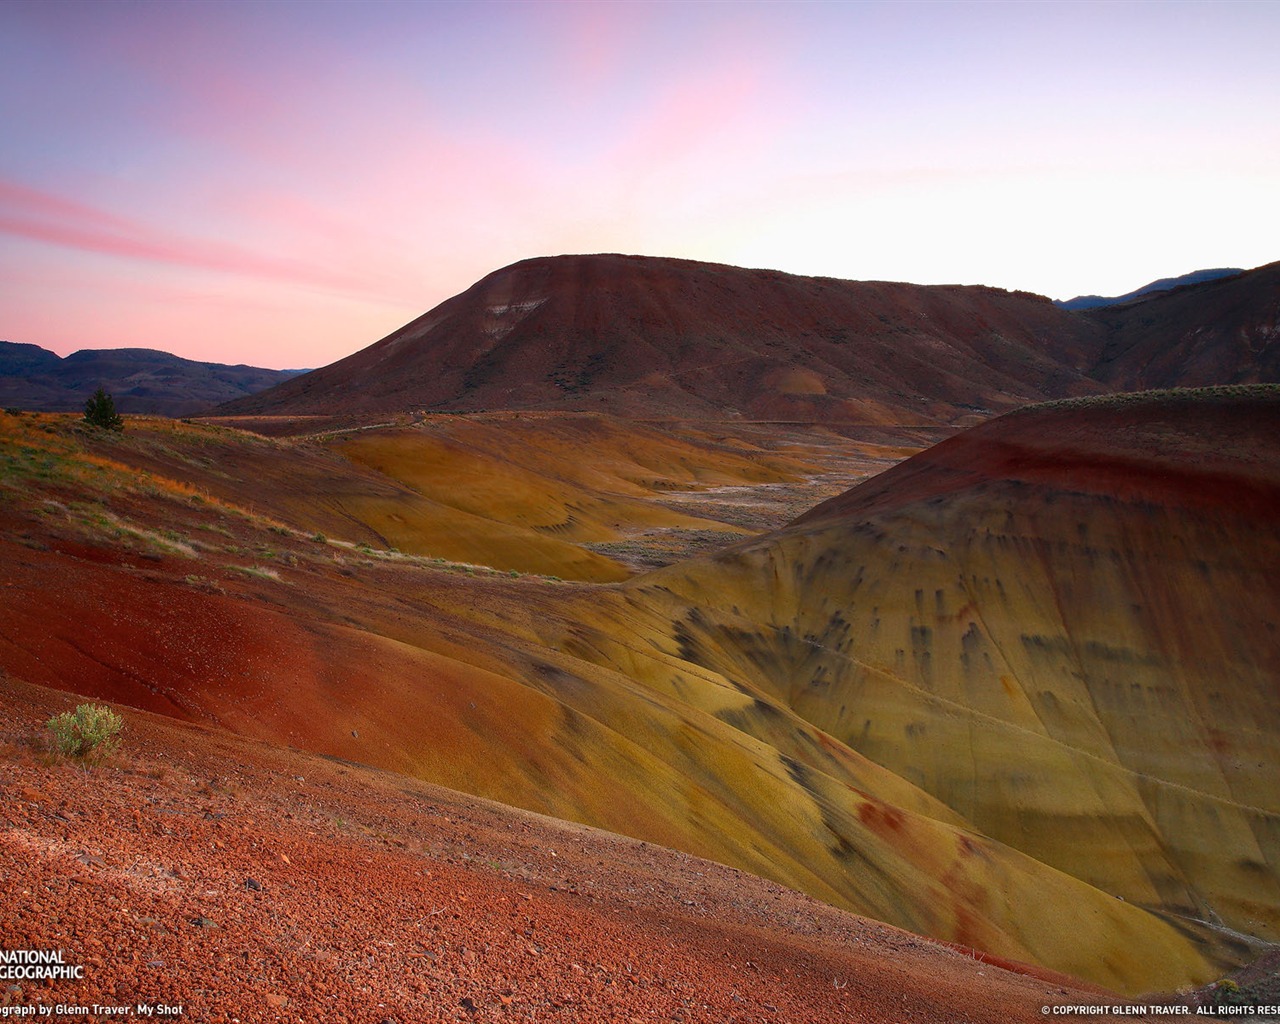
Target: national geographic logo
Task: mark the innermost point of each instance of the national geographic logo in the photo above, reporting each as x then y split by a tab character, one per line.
36	965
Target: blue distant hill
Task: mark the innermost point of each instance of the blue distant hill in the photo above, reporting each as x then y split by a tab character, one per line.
141	380
1163	285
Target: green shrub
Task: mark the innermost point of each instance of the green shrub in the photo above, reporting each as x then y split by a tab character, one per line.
100	411
91	732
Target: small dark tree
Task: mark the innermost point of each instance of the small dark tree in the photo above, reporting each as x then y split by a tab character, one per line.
100	411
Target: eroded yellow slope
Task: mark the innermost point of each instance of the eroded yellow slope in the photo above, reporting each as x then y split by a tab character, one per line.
1073	650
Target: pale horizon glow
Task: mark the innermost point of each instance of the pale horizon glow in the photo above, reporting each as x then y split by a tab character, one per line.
284	184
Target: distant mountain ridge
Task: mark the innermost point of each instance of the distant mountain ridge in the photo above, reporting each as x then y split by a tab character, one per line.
141	380
1163	285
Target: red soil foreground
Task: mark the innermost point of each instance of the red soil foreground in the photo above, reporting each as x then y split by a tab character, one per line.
247	882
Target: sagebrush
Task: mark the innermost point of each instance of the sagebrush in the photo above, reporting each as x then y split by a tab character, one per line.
90	732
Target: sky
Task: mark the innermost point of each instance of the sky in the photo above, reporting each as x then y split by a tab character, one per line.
284	183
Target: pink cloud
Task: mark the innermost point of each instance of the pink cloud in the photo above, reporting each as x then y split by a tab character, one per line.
55	220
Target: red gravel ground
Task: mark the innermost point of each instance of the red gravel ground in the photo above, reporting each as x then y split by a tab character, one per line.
245	882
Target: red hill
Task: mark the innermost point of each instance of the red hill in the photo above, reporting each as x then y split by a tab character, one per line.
665	337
